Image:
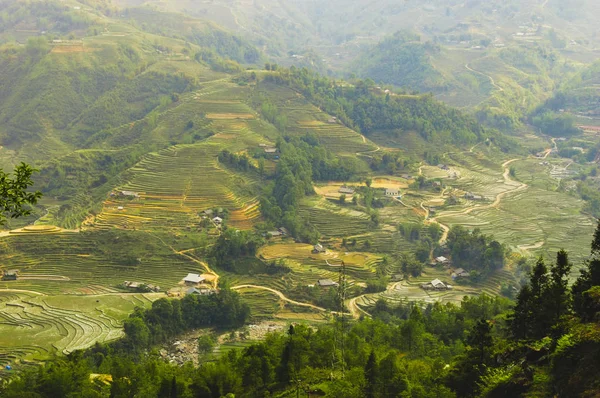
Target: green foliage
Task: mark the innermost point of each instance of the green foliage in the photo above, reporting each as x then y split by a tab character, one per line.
14	197
556	124
473	251
402	60
362	108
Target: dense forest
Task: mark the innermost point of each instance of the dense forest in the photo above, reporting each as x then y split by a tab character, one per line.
368	109
404	61
545	344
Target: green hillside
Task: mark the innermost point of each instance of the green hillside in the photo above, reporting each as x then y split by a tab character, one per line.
168	146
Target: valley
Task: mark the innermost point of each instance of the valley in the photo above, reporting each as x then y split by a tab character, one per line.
217	175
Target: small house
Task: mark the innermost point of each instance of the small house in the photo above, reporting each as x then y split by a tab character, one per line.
332	120
270	150
443	167
10	275
130	194
436	284
200	292
442	260
437	184
120	208
132	285
471	196
193	279
274	234
326	283
397	277
346	190
318	248
153	288
392	192
283	231
218	220
460	273
208	212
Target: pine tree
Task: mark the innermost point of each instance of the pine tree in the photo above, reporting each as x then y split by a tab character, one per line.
480	342
583	303
559	297
371	376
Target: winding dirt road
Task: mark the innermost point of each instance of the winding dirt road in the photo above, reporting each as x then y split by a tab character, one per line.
497	87
280	295
495	204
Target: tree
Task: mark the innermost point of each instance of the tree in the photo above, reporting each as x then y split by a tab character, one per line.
371	376
342	199
14	198
584	304
559	297
480	342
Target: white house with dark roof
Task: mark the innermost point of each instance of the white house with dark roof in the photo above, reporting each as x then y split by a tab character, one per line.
192	279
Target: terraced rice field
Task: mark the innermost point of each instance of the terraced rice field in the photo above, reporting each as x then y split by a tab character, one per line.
303	117
72	264
33	325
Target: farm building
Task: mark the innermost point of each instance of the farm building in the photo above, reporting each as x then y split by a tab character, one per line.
471	196
10	275
326	283
192	279
274	234
318	248
436	284
437	184
283	231
132	285
129	193
270	150
208	212
346	190
218	220
392	192
153	288
332	120
443	167
460	273
200	292
397	277
442	260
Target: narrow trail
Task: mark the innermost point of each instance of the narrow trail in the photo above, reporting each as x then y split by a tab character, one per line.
364	140
280	295
497	87
207	269
354	309
495	204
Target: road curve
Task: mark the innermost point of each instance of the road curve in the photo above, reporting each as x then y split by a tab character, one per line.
280	295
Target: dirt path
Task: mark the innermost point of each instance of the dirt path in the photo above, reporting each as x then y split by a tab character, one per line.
354	309
215	281
280	295
497	87
495	204
532	247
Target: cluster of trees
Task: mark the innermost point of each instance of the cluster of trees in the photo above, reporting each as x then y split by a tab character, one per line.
239	162
301	162
364	108
404	61
556	124
169	318
47	16
216	62
474	251
389	163
234	247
